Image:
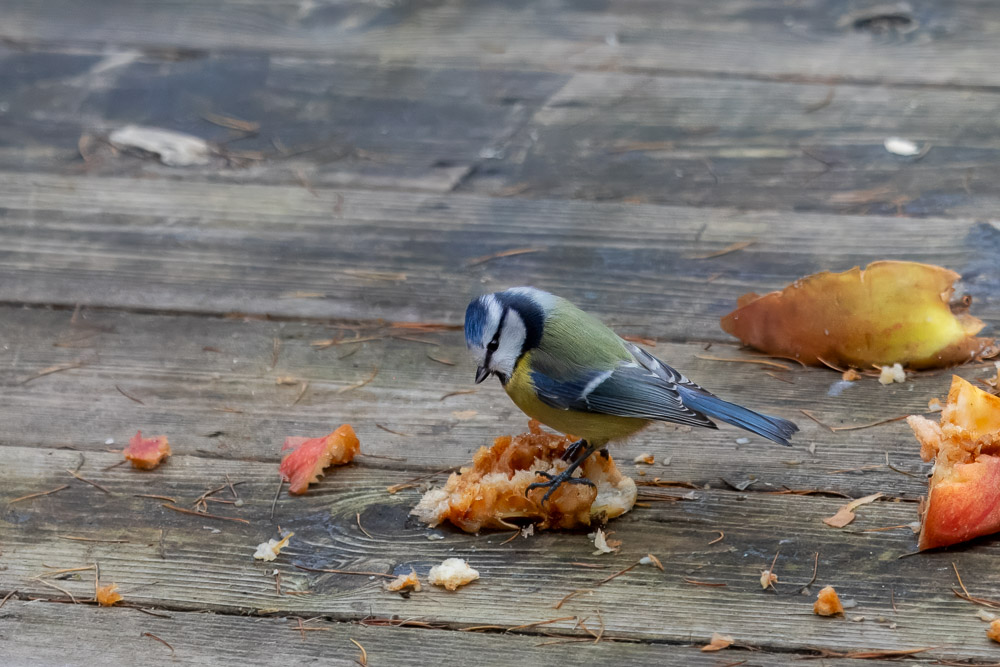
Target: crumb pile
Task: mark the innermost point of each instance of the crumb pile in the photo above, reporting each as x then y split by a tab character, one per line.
491	492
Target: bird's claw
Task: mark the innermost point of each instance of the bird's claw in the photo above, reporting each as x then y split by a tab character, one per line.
573	450
555	481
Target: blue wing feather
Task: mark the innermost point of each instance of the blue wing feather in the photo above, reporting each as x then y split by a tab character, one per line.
647	389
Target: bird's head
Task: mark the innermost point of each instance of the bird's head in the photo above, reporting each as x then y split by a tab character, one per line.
501	326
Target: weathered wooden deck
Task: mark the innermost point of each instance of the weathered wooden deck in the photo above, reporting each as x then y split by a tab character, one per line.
399	142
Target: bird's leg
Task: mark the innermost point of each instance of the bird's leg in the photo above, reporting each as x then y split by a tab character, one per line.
573	449
566	476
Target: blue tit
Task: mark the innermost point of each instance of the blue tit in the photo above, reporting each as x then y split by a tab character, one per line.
566	369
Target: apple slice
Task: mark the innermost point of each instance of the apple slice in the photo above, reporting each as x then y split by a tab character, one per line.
963	499
888	313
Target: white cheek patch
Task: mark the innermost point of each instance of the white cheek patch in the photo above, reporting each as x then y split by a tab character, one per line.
511	341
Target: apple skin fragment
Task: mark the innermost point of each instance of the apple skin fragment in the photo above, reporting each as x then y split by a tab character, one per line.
891	312
309	457
147	453
963	497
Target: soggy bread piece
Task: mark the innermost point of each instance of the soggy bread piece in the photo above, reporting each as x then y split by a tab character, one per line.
490	493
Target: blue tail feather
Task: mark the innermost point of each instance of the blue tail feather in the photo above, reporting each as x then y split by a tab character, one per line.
775	429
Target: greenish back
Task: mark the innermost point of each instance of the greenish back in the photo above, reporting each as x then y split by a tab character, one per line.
574	339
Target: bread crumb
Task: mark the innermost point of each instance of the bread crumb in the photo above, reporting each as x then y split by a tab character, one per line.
452	573
828	603
890	374
404	581
269	550
993	632
648	459
901	146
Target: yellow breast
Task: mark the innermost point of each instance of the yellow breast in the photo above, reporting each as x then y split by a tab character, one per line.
595	428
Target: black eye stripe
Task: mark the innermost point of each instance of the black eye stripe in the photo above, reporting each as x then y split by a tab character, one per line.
495	342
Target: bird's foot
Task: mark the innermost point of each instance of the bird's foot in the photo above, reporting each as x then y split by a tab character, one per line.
572	450
555	481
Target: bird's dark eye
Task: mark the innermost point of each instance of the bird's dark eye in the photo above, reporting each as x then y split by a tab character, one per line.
494	344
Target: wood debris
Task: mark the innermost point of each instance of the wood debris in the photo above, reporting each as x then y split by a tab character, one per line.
205	515
58	368
39	494
733	247
762	362
503	253
152	636
845	514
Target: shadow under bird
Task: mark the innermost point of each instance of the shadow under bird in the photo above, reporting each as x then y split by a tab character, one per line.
566	369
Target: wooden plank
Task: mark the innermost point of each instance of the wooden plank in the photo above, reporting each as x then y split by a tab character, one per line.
202	564
679	140
755	145
116	635
318	122
212	386
914	42
287	252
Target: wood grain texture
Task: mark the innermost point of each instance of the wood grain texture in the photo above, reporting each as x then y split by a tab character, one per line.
226	401
284	251
318	122
754	145
919	41
198	639
599	136
205	564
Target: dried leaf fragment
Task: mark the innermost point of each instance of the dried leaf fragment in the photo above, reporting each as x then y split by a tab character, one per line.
309	457
718	642
147	453
603	544
963	496
828	603
269	550
404	581
452	573
767	579
648	459
845	514
890	312
174	149
108	595
650	559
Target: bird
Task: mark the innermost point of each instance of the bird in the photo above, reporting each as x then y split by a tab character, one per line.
565	368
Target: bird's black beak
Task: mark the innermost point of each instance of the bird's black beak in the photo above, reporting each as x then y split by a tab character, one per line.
481	374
